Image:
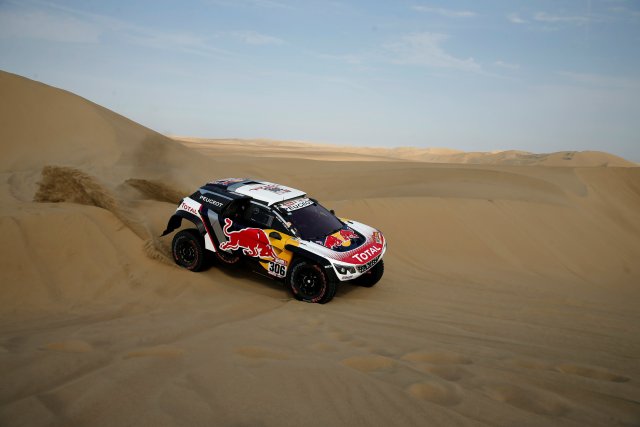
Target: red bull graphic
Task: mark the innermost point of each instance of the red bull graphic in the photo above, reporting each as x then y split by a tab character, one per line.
332	242
348	234
341	238
253	242
372	248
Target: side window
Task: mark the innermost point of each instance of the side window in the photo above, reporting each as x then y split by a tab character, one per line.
235	210
259	216
279	226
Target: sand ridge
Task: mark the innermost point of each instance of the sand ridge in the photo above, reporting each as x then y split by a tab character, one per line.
510	294
294	149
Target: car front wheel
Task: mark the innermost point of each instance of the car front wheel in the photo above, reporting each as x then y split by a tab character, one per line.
310	283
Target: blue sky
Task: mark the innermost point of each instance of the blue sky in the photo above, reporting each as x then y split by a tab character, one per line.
473	75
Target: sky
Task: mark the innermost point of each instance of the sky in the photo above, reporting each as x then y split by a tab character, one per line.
539	75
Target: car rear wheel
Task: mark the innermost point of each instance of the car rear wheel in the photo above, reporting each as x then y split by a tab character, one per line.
372	276
188	250
310	283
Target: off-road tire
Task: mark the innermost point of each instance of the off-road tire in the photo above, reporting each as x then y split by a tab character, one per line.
188	250
372	276
309	282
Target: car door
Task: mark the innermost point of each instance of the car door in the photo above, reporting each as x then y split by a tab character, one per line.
243	232
278	236
260	219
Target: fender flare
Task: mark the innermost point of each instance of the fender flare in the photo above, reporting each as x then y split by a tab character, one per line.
306	254
321	261
176	220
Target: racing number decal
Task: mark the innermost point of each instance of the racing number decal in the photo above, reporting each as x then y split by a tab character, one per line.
277	269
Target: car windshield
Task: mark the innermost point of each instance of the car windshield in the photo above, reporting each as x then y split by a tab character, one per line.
314	222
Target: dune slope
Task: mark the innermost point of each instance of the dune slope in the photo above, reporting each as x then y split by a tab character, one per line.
510	294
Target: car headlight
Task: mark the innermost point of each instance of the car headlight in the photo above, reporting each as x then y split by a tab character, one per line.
345	269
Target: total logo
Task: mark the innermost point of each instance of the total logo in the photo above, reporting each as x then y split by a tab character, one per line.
188	208
367	253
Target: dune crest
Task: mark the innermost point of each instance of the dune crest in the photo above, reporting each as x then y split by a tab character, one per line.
306	150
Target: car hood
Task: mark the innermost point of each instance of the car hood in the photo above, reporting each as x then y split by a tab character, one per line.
356	243
343	240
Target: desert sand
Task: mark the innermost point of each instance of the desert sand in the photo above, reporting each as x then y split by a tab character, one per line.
511	295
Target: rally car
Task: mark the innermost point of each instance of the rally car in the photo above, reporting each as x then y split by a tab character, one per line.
281	233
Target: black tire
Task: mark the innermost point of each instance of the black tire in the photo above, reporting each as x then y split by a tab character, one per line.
188	250
372	276
310	283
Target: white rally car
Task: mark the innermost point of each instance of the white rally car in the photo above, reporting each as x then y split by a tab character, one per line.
280	232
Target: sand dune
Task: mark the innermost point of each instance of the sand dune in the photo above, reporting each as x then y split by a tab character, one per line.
510	297
279	149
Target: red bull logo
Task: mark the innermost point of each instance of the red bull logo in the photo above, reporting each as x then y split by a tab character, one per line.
348	234
253	242
341	238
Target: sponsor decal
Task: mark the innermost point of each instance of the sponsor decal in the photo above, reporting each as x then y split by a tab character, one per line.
274	188
341	238
377	237
226	181
368	253
253	242
294	205
188	208
277	268
211	201
368	265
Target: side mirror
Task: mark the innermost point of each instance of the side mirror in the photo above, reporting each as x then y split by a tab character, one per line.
275	235
332	212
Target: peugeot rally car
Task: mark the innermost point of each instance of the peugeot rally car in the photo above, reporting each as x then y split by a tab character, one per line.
281	232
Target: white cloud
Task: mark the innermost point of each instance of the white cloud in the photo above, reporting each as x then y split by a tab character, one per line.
184	42
255	38
515	18
53	22
425	49
626	12
38	24
506	65
349	58
600	80
164	40
549	18
446	12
